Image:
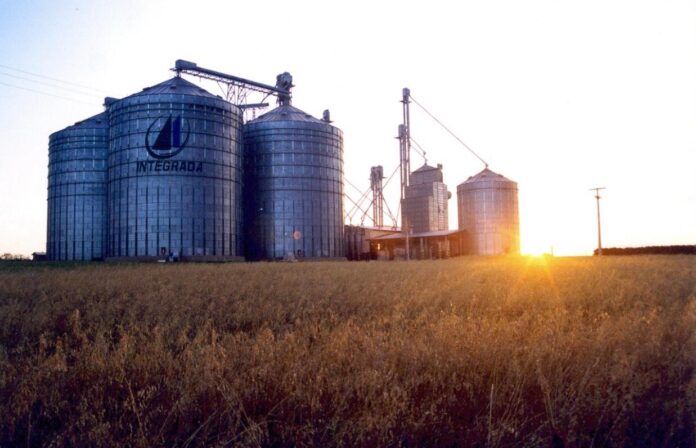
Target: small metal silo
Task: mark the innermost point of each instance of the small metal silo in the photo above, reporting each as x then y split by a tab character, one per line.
77	191
487	210
425	202
294	186
174	174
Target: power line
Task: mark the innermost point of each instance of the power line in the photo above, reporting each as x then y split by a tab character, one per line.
348	215
391	176
391	215
360	200
450	132
50	85
45	93
363	198
386	204
52	79
420	150
367	209
352	184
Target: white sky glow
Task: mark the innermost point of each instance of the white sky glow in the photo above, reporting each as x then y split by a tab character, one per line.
560	96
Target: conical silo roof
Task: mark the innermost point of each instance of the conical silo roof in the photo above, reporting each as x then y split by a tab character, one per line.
425	168
96	121
487	175
176	85
287	113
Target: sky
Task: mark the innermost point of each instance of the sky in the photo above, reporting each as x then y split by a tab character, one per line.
557	95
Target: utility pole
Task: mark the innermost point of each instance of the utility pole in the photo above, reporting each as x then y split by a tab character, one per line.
599	224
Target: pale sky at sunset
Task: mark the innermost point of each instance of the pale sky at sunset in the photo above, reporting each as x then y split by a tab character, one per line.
559	96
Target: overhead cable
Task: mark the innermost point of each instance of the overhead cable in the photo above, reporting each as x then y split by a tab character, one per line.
450	132
52	79
56	86
386	204
357	204
420	150
45	93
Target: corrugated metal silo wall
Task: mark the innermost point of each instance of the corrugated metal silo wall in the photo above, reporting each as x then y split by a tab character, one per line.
425	207
294	189
488	210
77	191
188	203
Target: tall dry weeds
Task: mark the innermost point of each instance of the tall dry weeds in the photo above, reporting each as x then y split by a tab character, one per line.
465	352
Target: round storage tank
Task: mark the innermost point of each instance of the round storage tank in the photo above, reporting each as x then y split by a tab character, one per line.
294	187
77	191
175	174
487	209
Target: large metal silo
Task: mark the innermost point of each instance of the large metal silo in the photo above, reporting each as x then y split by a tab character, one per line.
174	174
294	188
77	191
487	209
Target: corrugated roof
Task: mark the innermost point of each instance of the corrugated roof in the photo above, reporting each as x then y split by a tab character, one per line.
434	233
425	167
487	175
176	85
97	120
287	113
382	229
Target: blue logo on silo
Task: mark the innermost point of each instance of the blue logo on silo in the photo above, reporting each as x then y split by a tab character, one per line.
169	138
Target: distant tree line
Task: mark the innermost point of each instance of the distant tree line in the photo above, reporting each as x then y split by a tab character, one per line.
649	250
9	256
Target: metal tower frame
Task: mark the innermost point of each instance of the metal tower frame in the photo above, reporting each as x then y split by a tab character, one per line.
238	89
376	176
405	143
405	158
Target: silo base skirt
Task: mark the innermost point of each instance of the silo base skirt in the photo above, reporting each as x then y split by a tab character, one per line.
190	259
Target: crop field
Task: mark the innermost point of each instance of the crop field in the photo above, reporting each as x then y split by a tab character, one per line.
486	352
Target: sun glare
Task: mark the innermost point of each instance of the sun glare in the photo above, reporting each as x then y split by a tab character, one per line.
536	251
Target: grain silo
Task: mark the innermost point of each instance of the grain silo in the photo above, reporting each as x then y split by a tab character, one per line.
425	200
487	210
174	174
294	186
77	191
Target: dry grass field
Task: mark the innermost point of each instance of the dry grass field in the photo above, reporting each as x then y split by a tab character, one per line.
465	352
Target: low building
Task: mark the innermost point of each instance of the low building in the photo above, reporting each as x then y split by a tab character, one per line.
372	243
358	240
424	245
